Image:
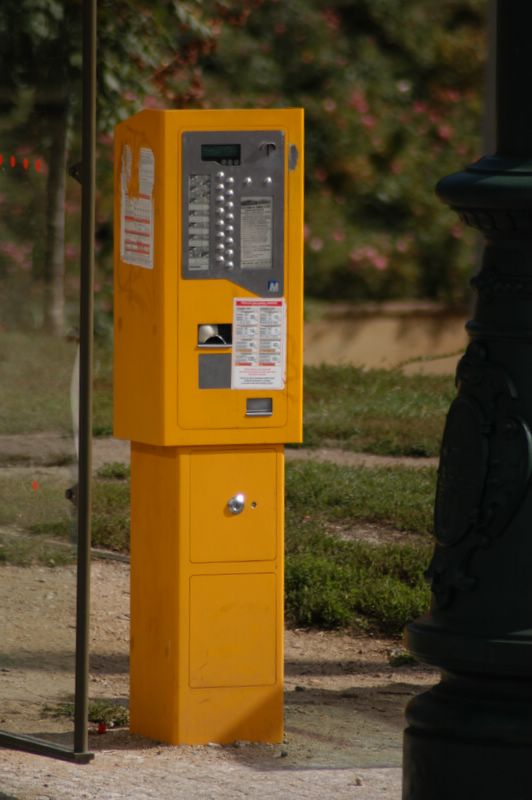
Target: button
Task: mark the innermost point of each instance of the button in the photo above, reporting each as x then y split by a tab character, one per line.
230	265
268	181
220	187
230	179
229	239
219	259
230	229
220	210
220	223
229	216
230	204
221	235
220	198
229	253
221	246
220	174
229	193
248	180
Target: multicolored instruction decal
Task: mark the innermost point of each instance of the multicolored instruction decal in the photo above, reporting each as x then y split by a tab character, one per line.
136	209
259	343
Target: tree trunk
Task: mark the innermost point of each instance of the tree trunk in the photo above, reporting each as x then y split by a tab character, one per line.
54	265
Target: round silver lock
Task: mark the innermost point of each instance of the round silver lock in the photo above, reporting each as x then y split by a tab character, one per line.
236	503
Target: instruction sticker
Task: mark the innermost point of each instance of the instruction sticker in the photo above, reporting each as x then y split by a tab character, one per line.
136	212
256	227
199	221
259	343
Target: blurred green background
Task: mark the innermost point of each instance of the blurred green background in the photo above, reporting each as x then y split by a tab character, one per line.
392	94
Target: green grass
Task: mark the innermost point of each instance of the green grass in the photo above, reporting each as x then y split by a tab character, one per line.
23	551
35	375
35	508
375	411
113	471
357	585
398	497
330	582
111	713
102	412
110	517
26	504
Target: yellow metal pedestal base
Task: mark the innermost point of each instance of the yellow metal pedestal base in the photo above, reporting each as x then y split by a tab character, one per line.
207	594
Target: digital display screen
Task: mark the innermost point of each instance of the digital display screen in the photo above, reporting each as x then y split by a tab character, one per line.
222	153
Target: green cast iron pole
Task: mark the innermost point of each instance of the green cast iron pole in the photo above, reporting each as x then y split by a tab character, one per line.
471	736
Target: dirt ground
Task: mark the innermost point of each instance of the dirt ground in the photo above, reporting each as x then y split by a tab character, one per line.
344	702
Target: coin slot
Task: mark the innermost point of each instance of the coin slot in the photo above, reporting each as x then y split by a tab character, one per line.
215	334
259	407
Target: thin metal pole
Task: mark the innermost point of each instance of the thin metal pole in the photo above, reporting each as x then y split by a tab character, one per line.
85	374
489	132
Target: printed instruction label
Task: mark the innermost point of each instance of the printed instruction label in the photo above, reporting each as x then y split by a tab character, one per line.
136	213
259	343
199	221
256	233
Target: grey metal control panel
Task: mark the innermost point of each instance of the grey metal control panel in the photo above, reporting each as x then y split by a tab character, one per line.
233	208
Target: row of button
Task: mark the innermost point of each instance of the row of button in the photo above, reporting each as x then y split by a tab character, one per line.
247	181
225	218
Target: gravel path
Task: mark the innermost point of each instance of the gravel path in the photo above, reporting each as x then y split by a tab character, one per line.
344	703
186	773
49	449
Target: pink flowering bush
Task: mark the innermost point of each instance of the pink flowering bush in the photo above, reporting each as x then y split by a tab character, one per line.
392	94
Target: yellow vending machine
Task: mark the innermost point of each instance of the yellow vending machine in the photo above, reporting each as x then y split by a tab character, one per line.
208	388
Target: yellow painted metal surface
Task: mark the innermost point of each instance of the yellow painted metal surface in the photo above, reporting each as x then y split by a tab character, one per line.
206	636
206	581
218	535
232	630
157	312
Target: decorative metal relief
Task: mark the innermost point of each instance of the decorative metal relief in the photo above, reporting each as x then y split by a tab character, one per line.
485	466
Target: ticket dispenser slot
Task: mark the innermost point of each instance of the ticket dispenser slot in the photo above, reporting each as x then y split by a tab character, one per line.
208	388
215	334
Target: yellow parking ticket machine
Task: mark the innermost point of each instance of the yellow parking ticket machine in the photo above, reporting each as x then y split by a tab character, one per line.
208	388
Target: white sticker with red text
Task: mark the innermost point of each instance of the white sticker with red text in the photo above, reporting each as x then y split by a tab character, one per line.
259	343
136	213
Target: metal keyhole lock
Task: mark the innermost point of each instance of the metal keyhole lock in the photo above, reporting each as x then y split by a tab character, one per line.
236	503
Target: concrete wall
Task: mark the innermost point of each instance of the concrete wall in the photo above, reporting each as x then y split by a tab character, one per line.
387	335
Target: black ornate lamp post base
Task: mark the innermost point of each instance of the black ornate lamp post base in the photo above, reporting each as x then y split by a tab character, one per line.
470	737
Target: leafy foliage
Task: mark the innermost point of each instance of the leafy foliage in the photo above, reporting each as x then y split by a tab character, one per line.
335	584
392	99
113	714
